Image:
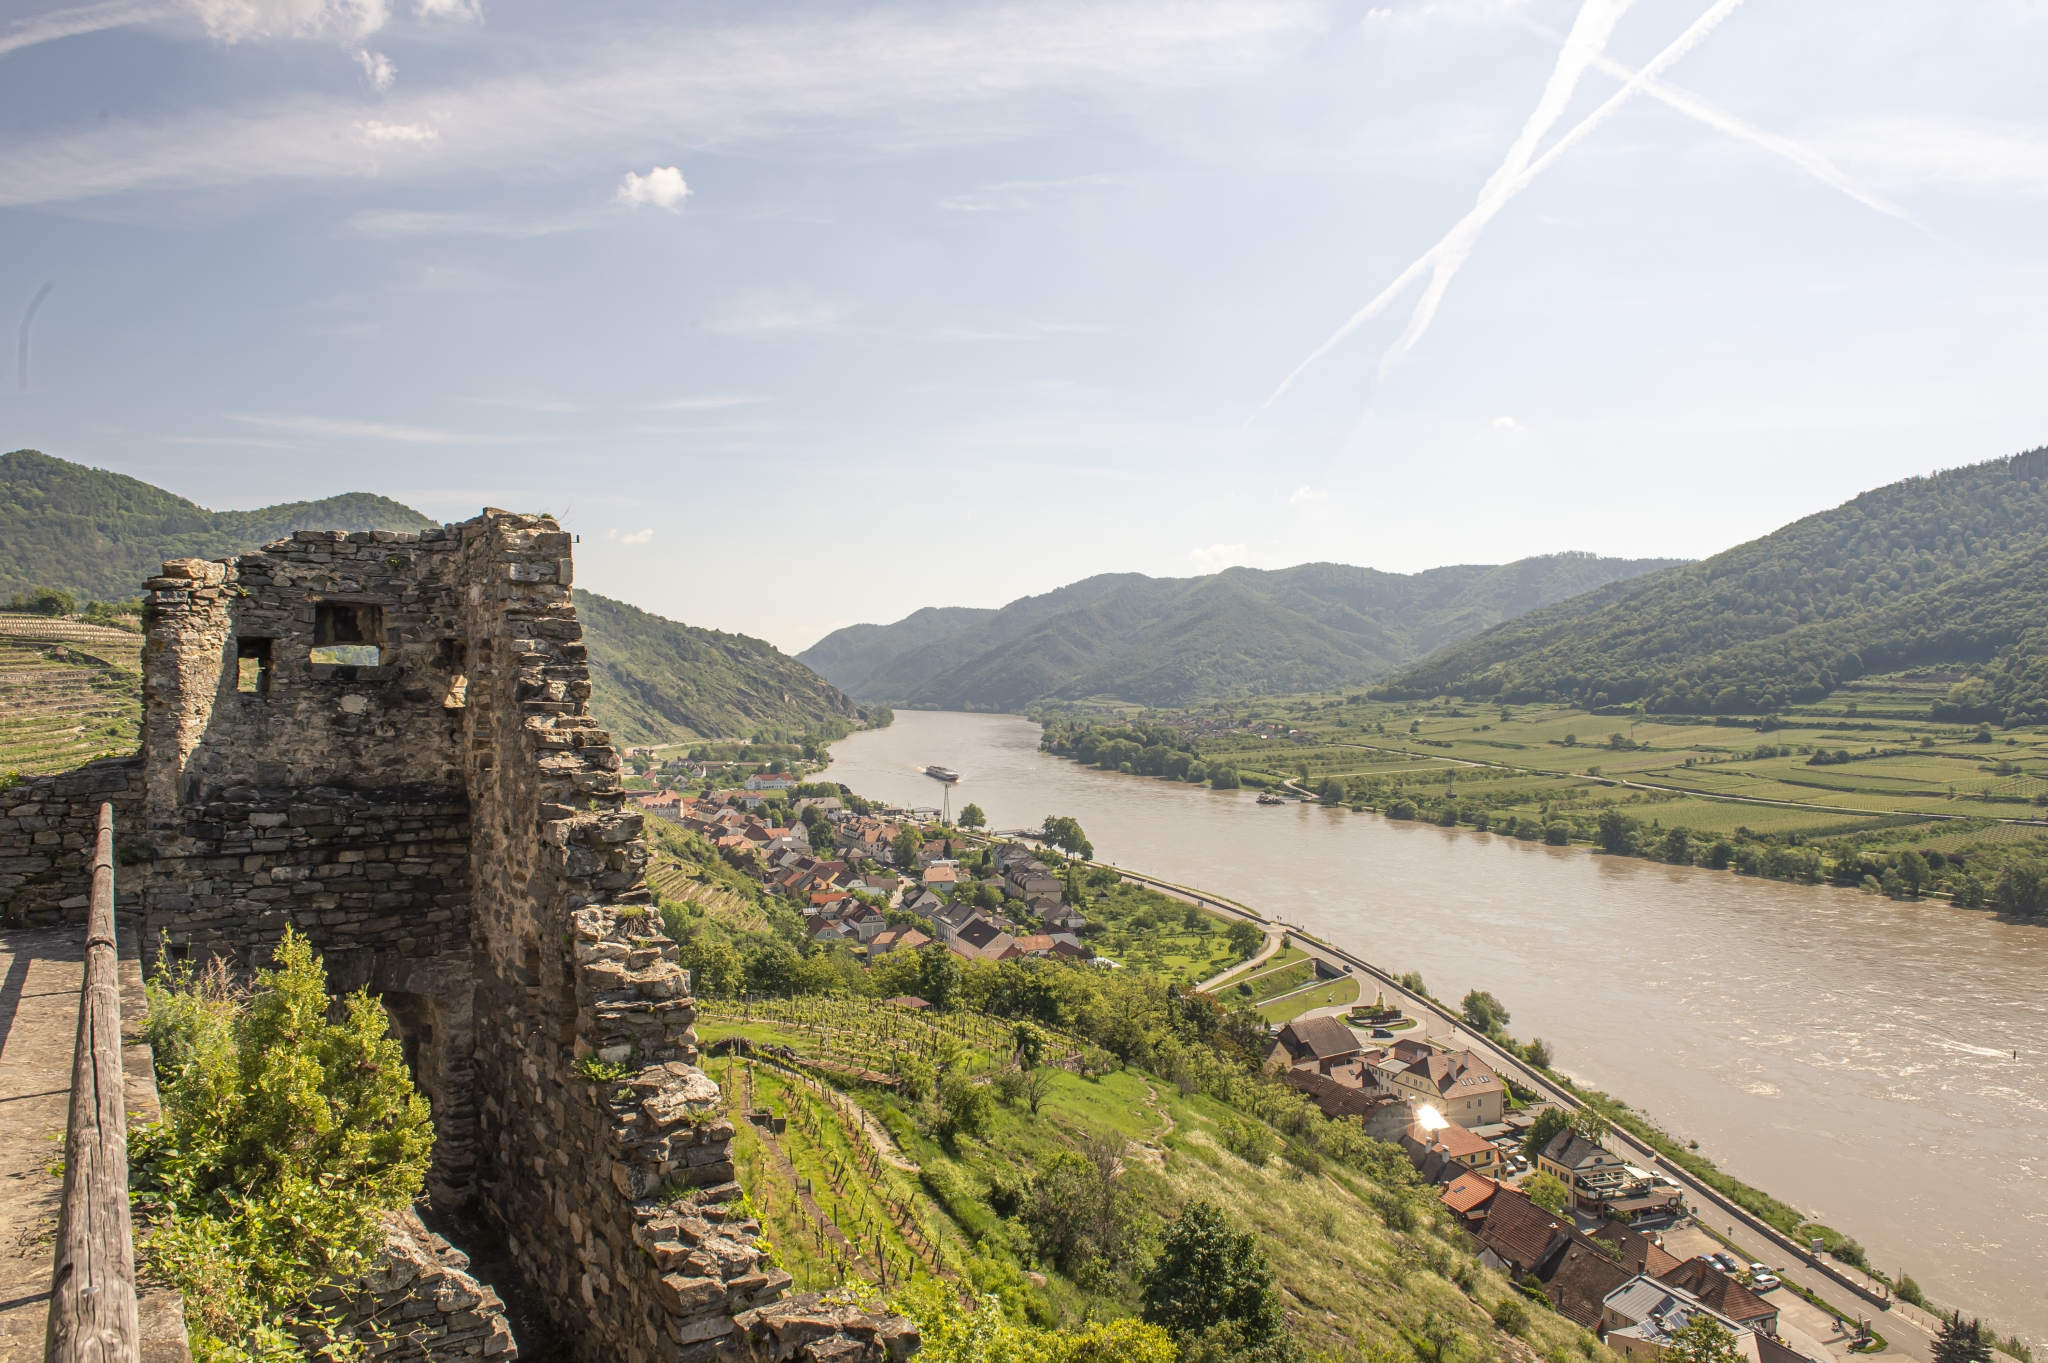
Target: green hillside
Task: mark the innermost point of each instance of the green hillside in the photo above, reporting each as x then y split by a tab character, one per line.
1166	641
656	681
98	535
1943	569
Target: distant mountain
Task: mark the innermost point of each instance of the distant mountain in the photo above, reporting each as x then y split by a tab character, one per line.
1166	641
849	657
656	681
98	535
1942	569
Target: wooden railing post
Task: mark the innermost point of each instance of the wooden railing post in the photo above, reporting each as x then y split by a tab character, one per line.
92	1290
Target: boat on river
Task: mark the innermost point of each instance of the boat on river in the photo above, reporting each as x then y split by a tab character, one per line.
939	773
1271	800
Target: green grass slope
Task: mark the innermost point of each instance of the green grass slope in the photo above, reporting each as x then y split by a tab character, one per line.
99	534
1920	571
657	681
1244	631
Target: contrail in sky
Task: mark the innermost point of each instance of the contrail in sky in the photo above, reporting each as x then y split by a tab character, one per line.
1719	119
69	23
21	351
1444	258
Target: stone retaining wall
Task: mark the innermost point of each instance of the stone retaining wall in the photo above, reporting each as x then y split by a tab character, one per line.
48	827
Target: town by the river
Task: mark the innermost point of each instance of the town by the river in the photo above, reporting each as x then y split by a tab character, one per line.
1879	1064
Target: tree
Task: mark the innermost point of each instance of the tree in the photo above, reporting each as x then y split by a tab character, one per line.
1244	937
1592	1124
2022	887
1960	1343
1065	834
970	1111
904	847
290	1124
938	975
1537	1053
1544	1129
1615	834
1332	791
1484	1011
1081	1209
1702	1339
1207	1275
1223	778
972	817
45	601
1547	1191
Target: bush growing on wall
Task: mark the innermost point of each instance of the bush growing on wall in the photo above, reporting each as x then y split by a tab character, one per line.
285	1136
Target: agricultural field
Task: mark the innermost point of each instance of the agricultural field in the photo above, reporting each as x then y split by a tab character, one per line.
1865	765
68	693
876	1181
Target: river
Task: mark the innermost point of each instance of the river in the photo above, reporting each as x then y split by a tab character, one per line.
1847	1053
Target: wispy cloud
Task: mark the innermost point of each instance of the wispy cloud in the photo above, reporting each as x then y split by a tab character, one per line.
1019	193
1910	152
852	79
380	134
81	19
1217	557
782	313
391	223
553	405
636	537
371	430
708	404
1305	495
378	69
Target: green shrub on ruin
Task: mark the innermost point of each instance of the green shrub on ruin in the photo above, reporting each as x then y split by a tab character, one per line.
287	1132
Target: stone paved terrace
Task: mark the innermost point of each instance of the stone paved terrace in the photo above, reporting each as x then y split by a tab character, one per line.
41	971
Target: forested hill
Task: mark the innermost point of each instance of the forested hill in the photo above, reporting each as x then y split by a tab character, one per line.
656	681
98	535
1166	641
1943	569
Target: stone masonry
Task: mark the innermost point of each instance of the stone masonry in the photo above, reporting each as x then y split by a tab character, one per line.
382	741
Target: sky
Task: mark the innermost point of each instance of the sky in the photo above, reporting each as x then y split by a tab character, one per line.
802	315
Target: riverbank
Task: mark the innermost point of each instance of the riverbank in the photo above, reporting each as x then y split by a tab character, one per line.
1856	1049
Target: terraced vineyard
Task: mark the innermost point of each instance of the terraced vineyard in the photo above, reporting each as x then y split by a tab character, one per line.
69	692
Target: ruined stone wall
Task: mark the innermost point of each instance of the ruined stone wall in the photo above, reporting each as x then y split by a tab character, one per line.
448	827
331	797
419	1301
48	827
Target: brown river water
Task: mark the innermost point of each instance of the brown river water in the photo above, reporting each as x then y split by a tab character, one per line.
1850	1055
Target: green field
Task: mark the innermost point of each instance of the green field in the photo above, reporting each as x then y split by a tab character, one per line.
68	694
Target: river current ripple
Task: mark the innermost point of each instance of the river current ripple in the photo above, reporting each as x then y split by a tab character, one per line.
1846	1053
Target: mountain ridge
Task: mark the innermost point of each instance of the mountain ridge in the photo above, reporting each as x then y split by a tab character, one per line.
1786	617
1170	640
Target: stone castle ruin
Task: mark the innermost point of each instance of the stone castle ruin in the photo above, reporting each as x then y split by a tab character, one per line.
382	741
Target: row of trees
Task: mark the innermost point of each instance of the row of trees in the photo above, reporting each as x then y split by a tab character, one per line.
1140	751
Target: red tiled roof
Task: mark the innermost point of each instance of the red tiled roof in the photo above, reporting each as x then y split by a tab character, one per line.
1581	1281
1469	1192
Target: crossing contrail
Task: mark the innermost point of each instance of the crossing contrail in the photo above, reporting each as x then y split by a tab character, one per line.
1714	116
1442	260
21	350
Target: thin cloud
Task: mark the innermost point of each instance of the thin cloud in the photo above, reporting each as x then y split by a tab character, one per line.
371	430
1305	495
1217	557
1019	193
1912	152
378	69
379	134
857	79
392	223
637	537
783	314
708	404
71	23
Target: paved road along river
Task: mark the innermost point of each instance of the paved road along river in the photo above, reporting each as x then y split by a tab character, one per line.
1849	1054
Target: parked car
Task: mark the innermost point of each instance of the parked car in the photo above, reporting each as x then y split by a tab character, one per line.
1382	1033
1764	1282
1727	1263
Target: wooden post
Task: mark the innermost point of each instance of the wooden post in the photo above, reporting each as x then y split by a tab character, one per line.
92	1289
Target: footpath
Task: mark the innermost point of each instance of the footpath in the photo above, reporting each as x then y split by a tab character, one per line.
42	971
1907	1331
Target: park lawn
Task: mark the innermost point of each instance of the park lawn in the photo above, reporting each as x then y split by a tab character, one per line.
1142	926
1329	994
